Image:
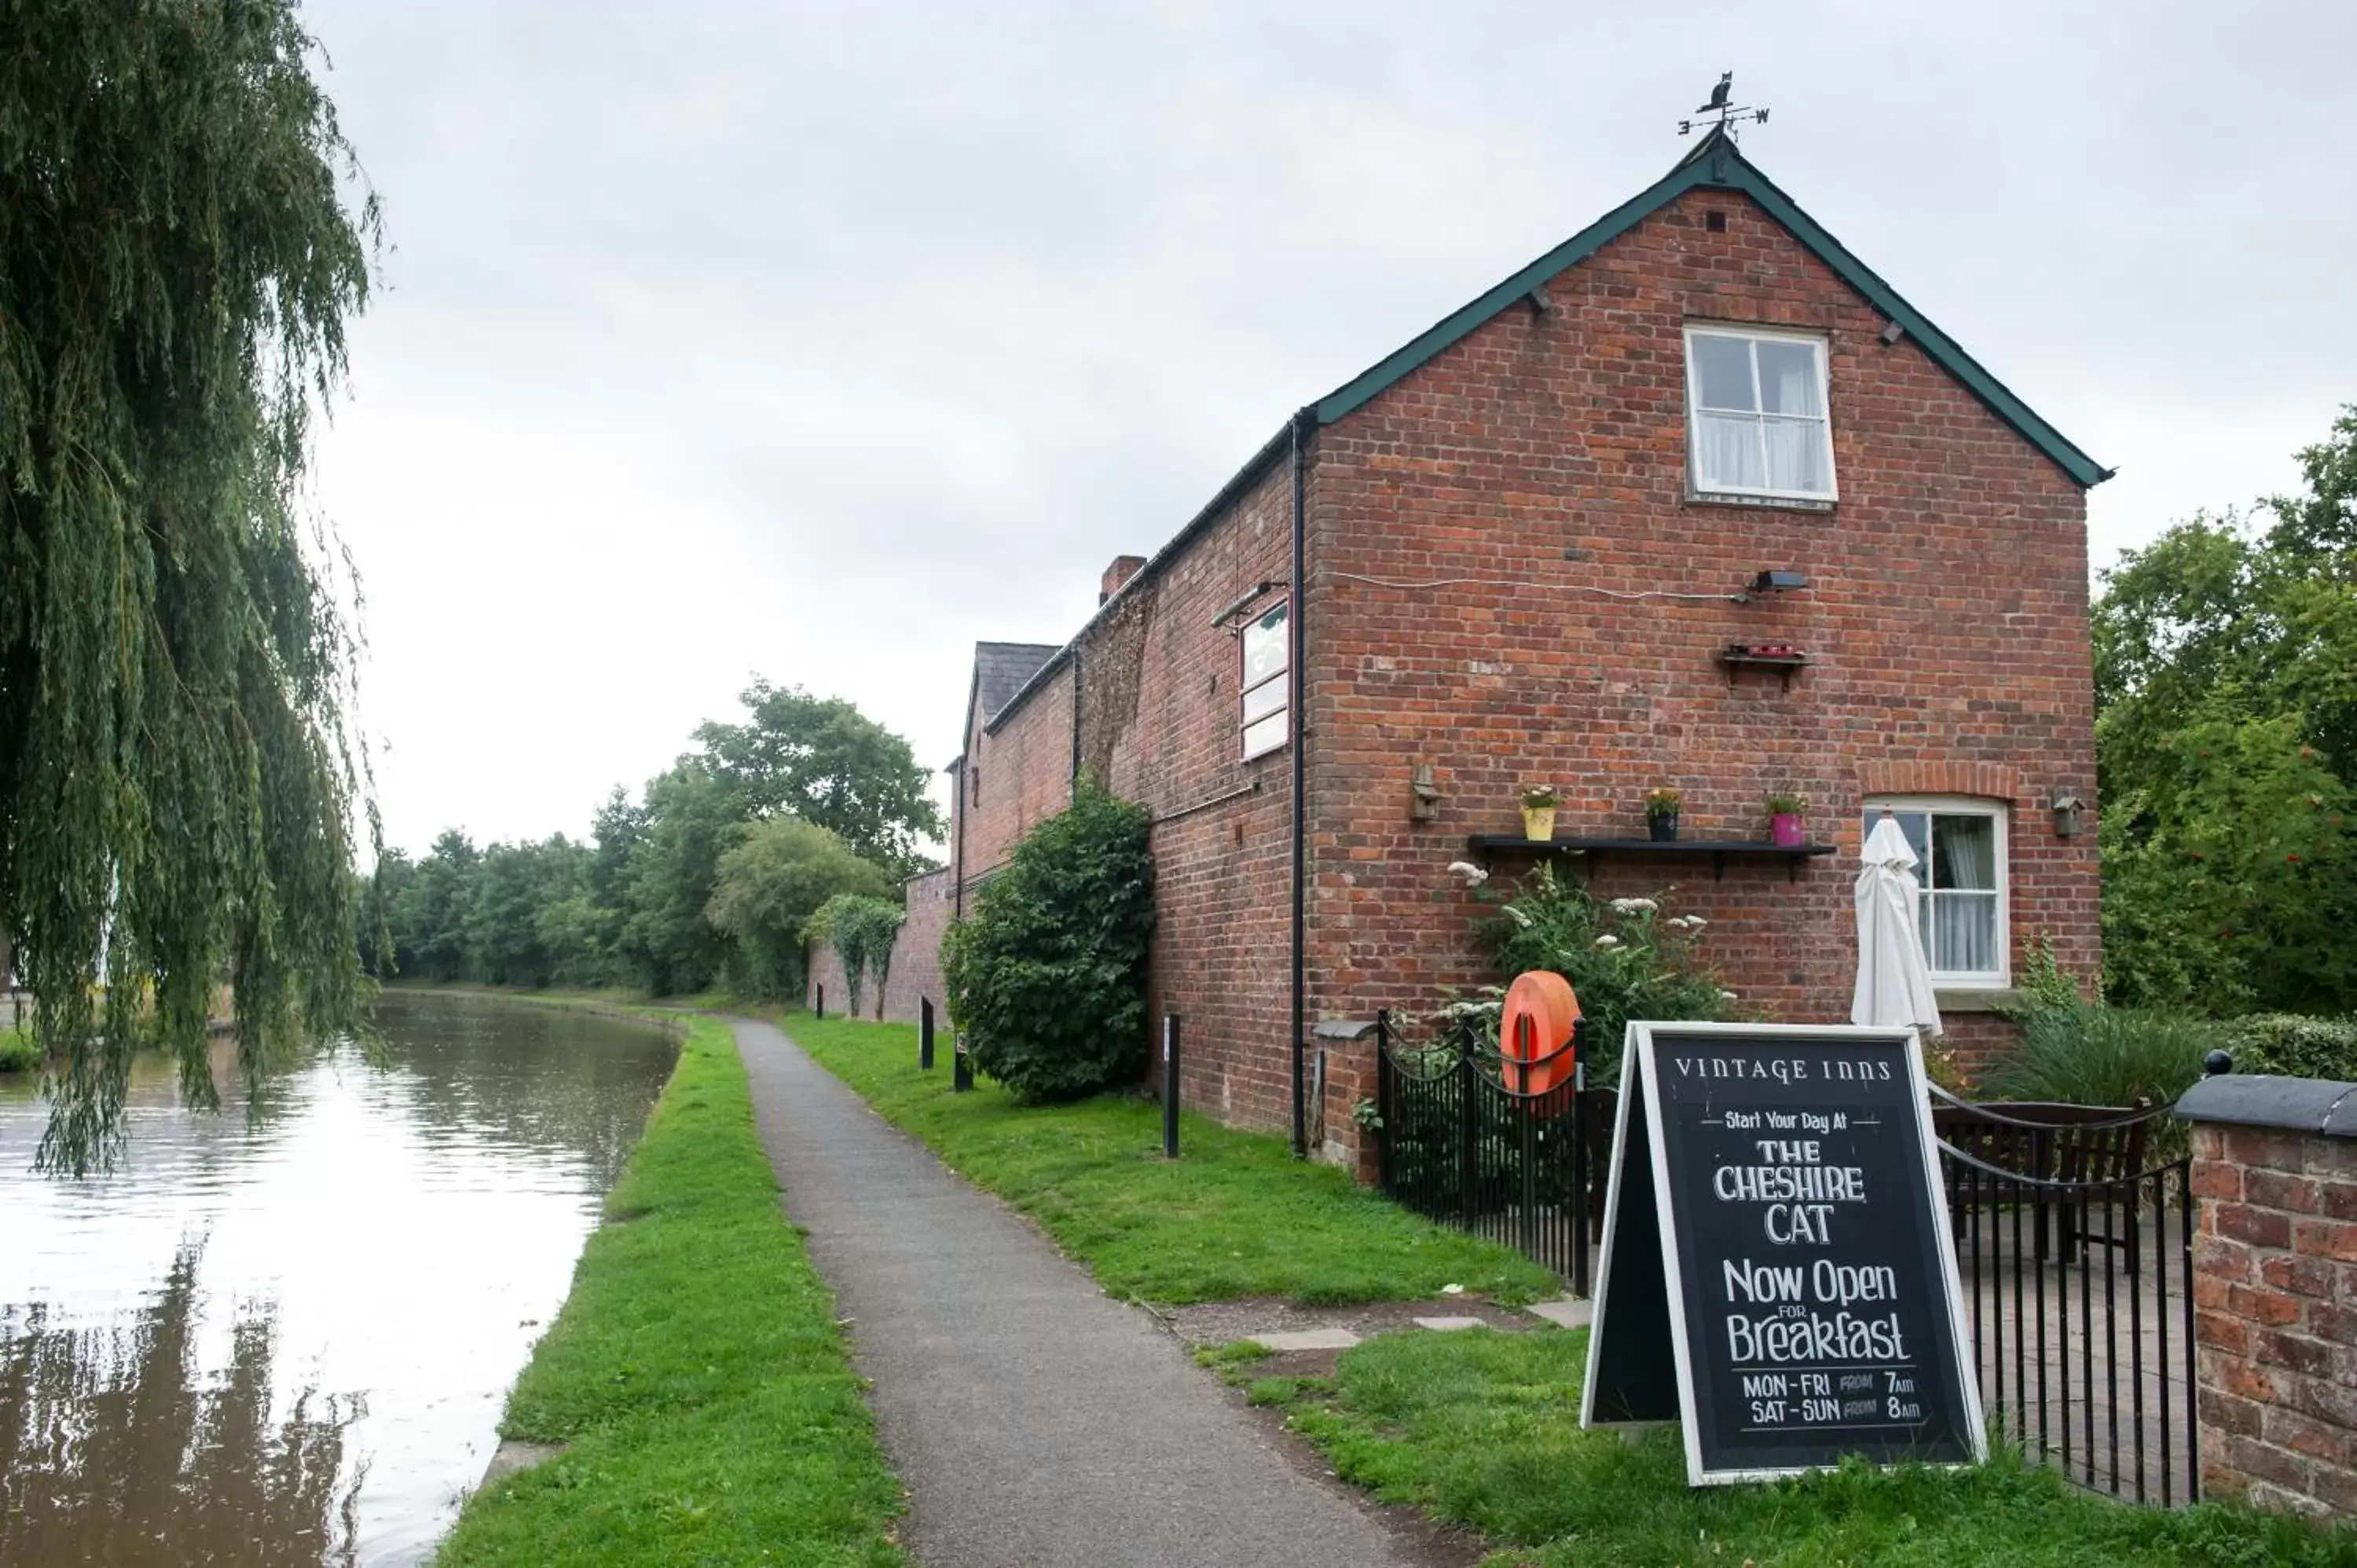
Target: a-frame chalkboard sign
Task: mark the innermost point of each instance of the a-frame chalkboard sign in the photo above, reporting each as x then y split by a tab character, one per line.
1778	1272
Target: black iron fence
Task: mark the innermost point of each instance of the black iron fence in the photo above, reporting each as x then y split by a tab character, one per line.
1458	1140
2078	1293
2076	1263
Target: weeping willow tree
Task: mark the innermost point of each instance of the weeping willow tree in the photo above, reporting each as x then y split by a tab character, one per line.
180	243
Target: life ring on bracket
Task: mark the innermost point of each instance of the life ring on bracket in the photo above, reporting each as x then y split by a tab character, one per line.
1534	1033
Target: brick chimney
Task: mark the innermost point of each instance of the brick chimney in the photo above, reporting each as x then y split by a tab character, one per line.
1123	569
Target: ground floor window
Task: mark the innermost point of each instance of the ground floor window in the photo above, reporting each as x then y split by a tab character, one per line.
1960	847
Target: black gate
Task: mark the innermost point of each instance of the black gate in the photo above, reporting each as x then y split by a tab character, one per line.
2076	1262
2079	1295
1458	1141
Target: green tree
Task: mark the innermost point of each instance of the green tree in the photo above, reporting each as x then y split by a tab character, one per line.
178	257
1048	976
507	944
691	818
430	915
768	885
380	937
2226	729
822	760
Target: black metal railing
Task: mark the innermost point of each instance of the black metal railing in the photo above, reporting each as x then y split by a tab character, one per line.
1459	1141
2076	1265
2079	1297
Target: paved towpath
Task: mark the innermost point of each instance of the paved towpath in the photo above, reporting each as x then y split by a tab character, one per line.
1036	1422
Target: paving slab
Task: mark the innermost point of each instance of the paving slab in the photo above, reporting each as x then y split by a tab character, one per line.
1036	1422
1305	1338
1568	1312
1449	1325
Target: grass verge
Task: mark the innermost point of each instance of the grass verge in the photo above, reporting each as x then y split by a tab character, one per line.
1235	1215
696	1374
1483	1429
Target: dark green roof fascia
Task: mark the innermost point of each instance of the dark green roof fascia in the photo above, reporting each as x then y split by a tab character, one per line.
1721	165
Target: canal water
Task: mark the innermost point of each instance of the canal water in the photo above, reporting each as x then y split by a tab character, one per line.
283	1334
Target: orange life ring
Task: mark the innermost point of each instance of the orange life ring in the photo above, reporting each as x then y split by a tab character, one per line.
1534	1033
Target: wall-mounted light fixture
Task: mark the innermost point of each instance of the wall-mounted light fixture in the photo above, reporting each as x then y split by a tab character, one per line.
1779	583
1891	334
2068	808
1422	796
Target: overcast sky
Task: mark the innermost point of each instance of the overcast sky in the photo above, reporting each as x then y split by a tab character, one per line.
820	340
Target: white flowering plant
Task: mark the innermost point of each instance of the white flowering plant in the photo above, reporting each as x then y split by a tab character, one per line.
1626	958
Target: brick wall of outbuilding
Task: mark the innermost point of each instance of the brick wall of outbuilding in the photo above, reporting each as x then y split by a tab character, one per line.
1530	482
1158	723
1490	545
916	969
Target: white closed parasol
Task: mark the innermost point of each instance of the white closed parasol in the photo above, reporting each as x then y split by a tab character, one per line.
1894	984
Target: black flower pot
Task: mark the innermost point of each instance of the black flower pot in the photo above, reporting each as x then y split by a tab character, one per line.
1664	829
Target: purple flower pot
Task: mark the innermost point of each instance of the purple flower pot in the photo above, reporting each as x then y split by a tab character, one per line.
1784	830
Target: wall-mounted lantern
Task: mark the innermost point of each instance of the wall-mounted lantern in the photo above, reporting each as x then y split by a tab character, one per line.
2068	809
1422	796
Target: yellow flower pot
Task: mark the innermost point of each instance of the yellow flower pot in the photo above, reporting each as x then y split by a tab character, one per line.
1538	823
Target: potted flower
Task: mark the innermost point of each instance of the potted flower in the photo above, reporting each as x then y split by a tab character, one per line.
1662	814
1784	813
1539	803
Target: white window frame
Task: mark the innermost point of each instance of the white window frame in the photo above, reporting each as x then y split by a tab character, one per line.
1997	810
1274	737
1695	410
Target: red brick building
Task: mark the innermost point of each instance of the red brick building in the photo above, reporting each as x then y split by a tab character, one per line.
1520	549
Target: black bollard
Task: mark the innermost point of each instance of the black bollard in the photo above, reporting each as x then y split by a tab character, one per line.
822	1004
1170	1086
925	1033
961	1067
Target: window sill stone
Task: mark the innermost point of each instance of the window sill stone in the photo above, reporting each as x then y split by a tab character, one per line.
1757	503
1995	999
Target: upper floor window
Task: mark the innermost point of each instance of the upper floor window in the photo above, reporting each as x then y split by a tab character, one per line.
1267	681
1960	852
1757	423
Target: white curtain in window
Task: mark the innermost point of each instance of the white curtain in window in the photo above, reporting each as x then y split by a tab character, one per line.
1728	452
1797	457
1964	852
1963	933
1787	378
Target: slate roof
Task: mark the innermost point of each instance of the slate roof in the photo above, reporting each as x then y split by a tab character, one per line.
1002	669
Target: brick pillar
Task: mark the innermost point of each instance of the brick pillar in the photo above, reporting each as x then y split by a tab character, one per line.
2274	1290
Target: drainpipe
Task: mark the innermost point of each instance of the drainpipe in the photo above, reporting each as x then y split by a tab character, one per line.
1298	657
1073	790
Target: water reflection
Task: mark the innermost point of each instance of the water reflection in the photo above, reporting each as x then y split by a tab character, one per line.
353	1271
116	1445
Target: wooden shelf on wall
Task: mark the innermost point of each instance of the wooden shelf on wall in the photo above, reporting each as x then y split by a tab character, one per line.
1489	847
1738	659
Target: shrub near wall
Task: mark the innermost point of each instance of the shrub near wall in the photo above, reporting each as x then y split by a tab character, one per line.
1048	977
2289	1045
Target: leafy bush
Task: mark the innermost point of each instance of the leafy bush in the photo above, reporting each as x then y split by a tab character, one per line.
765	888
1625	959
2088	1053
862	931
1047	977
2293	1046
17	1051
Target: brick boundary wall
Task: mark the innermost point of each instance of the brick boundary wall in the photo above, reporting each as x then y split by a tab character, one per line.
916	969
2274	1290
